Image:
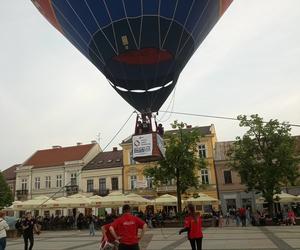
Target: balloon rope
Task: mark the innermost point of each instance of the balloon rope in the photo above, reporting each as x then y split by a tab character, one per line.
79	172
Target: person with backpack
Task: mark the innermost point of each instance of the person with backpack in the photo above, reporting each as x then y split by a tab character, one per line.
3	228
193	225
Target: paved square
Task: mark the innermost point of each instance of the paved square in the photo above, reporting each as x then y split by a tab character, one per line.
229	238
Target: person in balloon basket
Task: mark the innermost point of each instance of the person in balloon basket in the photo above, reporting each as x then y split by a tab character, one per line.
3	228
193	225
29	226
125	230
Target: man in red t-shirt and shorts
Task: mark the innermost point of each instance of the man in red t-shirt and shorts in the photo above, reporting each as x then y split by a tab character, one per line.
125	230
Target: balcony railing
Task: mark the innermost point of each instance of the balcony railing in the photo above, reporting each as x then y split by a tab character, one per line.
101	192
22	194
72	189
166	189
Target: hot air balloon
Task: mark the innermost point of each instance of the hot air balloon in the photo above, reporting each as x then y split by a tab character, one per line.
141	46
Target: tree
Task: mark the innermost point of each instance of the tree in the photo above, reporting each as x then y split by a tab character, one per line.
181	162
265	156
6	197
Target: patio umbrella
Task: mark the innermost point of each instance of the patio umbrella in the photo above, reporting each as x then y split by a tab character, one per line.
17	205
284	198
166	200
116	199
139	199
73	201
38	202
260	200
96	201
202	199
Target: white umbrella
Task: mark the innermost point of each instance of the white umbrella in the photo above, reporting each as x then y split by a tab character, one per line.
116	199
284	198
202	199
96	200
17	205
139	199
166	200
260	200
73	201
38	202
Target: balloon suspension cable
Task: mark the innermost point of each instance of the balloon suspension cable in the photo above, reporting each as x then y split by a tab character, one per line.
79	172
217	117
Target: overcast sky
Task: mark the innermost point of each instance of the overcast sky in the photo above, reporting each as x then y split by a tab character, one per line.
52	95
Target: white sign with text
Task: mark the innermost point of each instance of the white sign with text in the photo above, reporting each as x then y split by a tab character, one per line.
142	145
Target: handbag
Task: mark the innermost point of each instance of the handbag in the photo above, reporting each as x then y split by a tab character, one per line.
105	245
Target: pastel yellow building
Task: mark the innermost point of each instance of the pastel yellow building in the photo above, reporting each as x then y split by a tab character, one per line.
135	181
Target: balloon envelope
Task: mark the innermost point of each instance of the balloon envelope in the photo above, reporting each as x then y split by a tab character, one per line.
141	46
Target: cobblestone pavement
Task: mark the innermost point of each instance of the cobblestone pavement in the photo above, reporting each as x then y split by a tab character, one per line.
229	238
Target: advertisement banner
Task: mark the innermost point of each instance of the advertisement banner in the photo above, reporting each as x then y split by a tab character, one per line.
142	145
161	146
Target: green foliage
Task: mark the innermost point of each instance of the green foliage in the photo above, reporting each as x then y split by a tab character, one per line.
6	197
265	156
181	162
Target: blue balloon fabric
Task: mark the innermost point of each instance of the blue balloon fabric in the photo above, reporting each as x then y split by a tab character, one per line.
141	46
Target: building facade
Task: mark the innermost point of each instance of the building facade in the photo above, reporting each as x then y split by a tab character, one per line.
54	172
103	174
9	175
232	193
135	181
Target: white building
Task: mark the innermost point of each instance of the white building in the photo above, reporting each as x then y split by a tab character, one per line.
54	172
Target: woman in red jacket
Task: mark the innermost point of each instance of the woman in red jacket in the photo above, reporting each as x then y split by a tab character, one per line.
193	225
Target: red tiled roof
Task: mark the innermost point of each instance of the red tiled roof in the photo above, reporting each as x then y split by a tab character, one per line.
9	173
57	156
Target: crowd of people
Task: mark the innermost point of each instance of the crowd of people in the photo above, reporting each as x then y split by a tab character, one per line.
120	232
244	217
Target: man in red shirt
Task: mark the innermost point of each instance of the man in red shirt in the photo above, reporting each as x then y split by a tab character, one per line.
242	212
125	230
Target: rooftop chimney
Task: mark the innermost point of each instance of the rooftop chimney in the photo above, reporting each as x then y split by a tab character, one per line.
78	143
115	149
93	142
56	146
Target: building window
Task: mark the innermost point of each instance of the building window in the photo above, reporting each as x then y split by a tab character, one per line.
204	176
11	186
202	151
90	186
48	182
102	184
149	182
37	183
114	183
59	181
73	179
24	184
132	161
133	182
227	177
